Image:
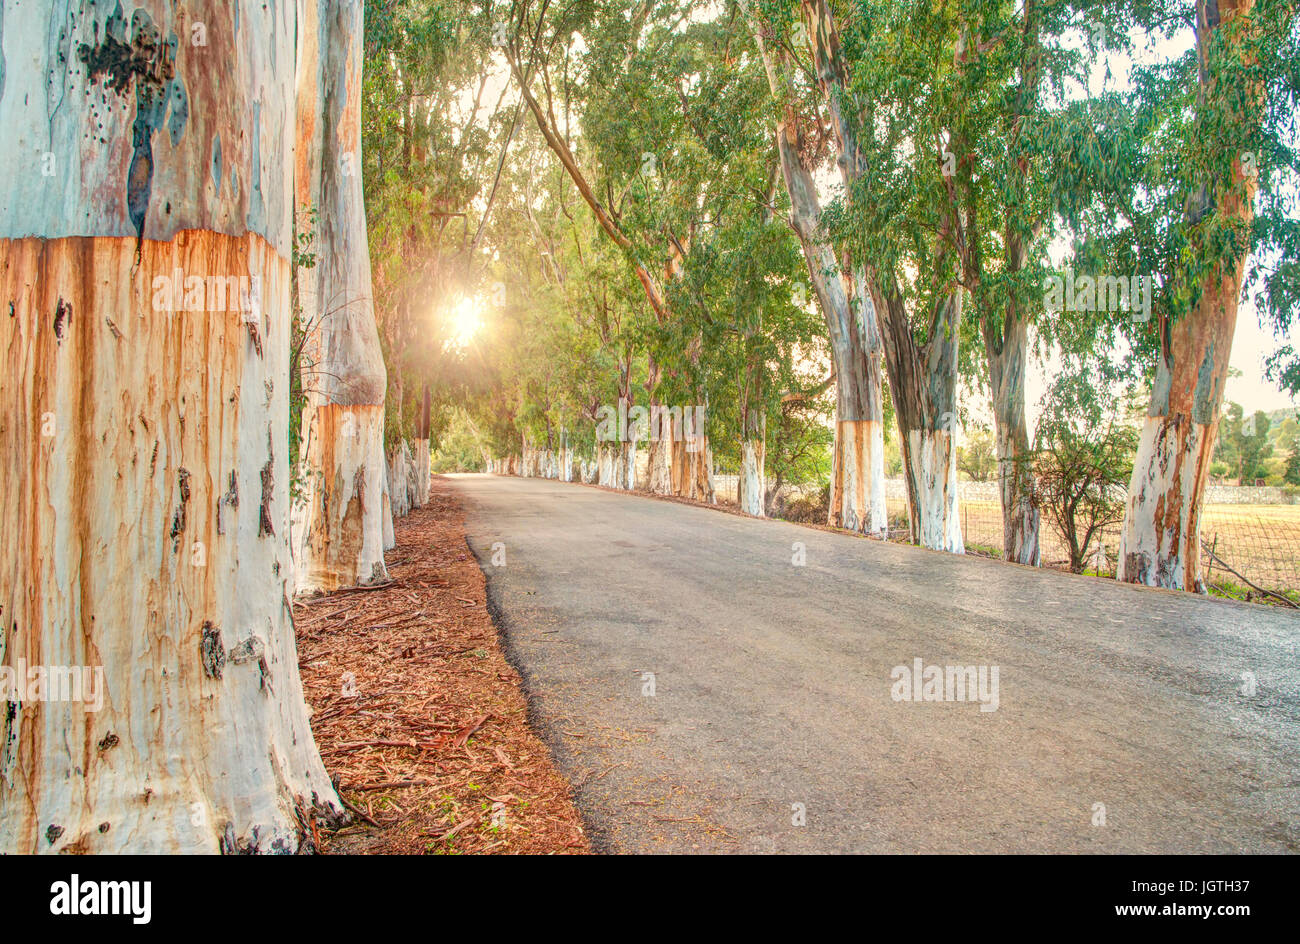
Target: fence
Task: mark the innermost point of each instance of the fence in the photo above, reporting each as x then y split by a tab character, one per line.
1260	542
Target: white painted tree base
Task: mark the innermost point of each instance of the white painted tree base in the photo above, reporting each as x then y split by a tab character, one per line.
858	478
1160	538
934	471
145	497
420	459
753	482
337	526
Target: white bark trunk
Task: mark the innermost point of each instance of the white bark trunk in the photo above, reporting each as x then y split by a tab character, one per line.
660	473
1021	520
857	497
412	477
421	460
1160	540
617	465
693	469
338	526
858	474
144	497
1160	543
399	495
390	539
627	466
753	482
933	460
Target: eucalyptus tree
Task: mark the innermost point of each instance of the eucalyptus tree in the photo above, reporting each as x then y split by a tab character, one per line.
1225	127
857	495
585	76
890	82
337	525
145	575
1008	126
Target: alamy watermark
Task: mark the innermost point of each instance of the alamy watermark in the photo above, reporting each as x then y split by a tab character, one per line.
1070	292
633	424
958	683
77	897
21	683
180	292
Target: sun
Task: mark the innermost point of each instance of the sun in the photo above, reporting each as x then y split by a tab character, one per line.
466	321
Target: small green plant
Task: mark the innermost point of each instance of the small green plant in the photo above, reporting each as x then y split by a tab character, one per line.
304	257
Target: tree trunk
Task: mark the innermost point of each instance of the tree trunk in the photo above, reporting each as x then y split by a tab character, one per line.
1020	517
1006	332
661	432
857	500
145	495
412	476
566	457
692	459
338	524
627	458
399	494
930	465
924	384
1160	539
390	539
753	483
922	379
617	465
606	467
421	466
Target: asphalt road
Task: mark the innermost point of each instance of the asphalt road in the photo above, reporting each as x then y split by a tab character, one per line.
1121	722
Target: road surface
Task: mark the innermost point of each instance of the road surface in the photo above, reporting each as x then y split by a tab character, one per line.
1122	721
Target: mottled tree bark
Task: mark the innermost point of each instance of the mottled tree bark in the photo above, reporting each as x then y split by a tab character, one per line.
399	480
144	432
857	499
1160	540
1006	356
338	526
752	490
922	378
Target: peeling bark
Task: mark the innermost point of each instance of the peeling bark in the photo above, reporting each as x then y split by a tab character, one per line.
930	466
753	482
692	462
1021	521
399	480
113	558
420	466
924	383
1160	539
857	499
338	527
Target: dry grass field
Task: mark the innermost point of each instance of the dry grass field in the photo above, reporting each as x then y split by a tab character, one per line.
1261	542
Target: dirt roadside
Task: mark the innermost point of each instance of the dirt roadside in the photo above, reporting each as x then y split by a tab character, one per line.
420	719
